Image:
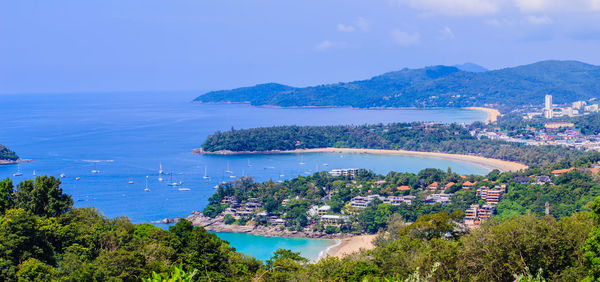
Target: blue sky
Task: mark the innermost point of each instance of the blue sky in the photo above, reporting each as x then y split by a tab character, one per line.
140	45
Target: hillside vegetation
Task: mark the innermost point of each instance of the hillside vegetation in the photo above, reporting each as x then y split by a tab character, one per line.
7	154
435	86
423	137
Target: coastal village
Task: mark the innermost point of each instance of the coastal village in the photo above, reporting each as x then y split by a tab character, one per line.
480	197
552	126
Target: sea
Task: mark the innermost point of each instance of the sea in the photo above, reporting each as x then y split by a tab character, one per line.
115	144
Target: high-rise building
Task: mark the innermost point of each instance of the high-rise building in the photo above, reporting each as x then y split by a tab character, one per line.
548	106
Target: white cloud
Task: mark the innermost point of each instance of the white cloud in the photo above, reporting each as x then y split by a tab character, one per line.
345	28
363	24
405	39
454	7
446	33
327	44
560	6
538	20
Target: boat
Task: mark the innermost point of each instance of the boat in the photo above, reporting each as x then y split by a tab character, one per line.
325	164
160	169
228	170
62	175
130	181
216	186
77	178
232	176
18	173
205	175
147	189
172	183
184	189
249	165
160	179
34	172
301	160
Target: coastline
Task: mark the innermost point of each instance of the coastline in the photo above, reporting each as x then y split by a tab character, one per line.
9	162
493	114
348	246
217	225
483	161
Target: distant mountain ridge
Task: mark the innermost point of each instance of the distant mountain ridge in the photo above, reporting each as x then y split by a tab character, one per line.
435	86
471	67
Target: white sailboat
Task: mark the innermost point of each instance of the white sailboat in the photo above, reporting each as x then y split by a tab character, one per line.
301	160
34	172
147	189
160	169
95	170
172	183
205	175
249	165
18	173
228	170
130	181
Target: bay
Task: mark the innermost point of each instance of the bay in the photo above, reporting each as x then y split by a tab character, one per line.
126	136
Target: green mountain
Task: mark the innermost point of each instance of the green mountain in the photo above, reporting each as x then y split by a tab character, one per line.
435	86
7	154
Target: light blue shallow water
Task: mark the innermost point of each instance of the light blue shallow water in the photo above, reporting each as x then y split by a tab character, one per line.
127	135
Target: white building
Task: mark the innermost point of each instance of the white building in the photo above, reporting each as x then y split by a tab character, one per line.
344	171
548	107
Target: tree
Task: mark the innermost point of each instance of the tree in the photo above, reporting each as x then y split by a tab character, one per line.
35	270
228	219
43	197
6	195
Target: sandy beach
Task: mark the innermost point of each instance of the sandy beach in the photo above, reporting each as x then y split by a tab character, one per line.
493	114
352	245
485	162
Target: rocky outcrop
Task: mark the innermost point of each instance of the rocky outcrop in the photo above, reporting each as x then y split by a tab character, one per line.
217	224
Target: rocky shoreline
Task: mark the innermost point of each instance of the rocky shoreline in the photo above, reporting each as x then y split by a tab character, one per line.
7	162
217	224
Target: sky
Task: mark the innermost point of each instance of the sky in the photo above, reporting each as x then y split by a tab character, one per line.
65	46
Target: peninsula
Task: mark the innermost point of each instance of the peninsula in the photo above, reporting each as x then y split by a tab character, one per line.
434	86
8	156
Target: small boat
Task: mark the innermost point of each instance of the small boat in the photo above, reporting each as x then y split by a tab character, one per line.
325	164
301	160
184	189
160	169
232	176
147	189
95	171
77	178
279	181
216	186
205	175
34	172
160	179
249	165
62	175
228	170
130	181
18	173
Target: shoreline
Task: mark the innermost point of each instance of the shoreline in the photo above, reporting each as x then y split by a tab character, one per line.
217	225
483	161
493	114
9	162
351	245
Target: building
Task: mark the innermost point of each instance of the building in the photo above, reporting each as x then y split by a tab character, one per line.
359	202
397	200
548	111
491	195
486	211
441	198
472	212
344	172
449	185
433	186
403	188
333	219
554	125
323	210
558	172
591	108
578	105
522	179
468	184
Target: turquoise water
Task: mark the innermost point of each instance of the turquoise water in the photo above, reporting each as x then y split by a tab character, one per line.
127	135
262	247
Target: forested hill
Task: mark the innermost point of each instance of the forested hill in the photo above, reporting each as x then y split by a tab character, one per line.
7	154
435	86
423	137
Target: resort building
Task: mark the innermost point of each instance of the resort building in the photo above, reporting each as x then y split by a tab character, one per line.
433	186
491	195
441	198
344	172
333	219
558	172
323	210
468	184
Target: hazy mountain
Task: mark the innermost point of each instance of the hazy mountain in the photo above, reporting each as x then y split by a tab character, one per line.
435	86
471	67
